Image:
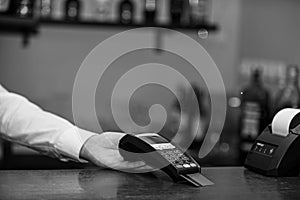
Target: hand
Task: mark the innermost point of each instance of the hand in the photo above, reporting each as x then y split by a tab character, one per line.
102	150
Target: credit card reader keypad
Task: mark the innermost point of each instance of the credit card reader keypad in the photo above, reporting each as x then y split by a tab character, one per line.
180	161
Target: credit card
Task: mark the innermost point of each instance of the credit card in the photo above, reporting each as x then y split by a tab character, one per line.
197	179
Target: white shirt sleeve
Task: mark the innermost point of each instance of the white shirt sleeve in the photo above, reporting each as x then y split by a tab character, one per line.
25	123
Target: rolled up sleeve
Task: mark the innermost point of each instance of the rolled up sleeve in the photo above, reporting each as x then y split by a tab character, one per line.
27	124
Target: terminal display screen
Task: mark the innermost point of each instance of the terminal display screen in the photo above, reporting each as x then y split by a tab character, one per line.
153	139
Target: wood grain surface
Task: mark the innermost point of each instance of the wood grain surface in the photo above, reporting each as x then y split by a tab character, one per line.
230	183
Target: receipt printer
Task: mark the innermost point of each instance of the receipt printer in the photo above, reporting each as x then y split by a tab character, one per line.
276	152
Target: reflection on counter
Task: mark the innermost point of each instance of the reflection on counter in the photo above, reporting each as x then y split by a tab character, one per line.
231	183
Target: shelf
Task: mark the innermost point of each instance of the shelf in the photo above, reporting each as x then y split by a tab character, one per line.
11	24
95	24
30	26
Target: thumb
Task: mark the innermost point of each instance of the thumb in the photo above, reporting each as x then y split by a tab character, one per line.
113	138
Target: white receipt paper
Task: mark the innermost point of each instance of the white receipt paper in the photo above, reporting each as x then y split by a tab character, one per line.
281	121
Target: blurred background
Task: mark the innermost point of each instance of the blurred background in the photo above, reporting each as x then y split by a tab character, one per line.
255	45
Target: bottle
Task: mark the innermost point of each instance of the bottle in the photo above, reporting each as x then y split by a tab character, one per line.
254	112
46	8
72	10
289	95
4	6
104	9
25	8
176	10
198	121
9	7
202	9
126	12
198	13
150	11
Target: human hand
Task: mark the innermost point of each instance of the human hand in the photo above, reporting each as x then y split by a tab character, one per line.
103	150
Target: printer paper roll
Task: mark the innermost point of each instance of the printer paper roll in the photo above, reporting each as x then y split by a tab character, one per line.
281	121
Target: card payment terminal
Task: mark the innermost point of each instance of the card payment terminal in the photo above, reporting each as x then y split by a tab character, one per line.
159	153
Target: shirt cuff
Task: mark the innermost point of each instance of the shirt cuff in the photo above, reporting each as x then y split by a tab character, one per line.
2	89
71	142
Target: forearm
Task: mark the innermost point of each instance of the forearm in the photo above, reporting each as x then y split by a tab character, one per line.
25	123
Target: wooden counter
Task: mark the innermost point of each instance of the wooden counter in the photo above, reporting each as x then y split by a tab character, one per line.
230	183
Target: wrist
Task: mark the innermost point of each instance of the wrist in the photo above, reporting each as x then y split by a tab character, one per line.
84	153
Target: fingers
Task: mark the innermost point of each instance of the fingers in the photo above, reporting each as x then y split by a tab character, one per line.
113	138
102	150
120	164
145	168
128	165
138	166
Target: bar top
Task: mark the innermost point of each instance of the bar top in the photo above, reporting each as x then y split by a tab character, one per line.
230	183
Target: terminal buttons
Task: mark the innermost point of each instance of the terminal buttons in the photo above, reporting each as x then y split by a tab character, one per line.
178	159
